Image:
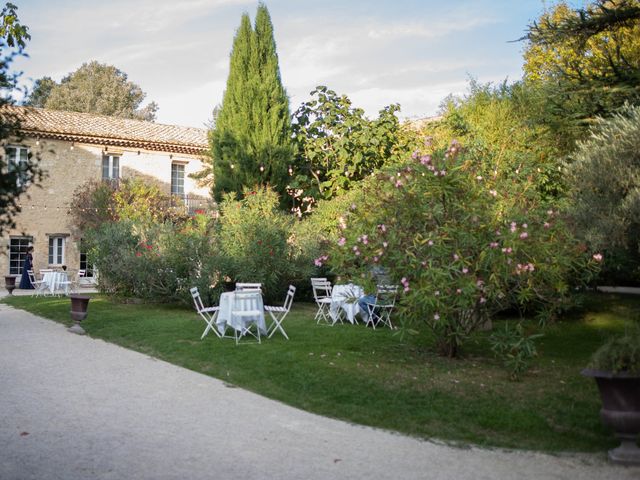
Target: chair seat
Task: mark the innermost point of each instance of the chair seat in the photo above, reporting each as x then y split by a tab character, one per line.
324	300
210	309
269	308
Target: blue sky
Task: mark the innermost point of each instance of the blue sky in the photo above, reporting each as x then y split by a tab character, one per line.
412	52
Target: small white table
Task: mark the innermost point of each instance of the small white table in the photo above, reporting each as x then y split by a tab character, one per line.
345	298
54	282
227	300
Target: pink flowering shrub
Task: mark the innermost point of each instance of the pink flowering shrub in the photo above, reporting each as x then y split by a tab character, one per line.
460	244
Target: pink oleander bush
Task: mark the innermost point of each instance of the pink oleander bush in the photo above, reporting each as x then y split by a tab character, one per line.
461	241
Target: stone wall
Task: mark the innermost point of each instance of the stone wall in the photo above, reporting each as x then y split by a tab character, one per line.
44	207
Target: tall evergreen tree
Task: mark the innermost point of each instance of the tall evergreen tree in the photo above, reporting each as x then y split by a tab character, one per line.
251	141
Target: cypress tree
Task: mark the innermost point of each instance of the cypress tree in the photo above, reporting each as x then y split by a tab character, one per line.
251	141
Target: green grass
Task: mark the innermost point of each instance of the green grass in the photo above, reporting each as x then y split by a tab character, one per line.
375	378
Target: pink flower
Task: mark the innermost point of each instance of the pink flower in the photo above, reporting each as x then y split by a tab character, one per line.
479	178
483	300
465	270
355	249
455	256
357	253
524	225
493	244
398	184
375	259
430	243
382	227
514	227
458	291
597	257
436	316
523	235
406	289
443	173
493	193
423	263
353	206
342	241
425	159
138	254
436	293
546	225
385	244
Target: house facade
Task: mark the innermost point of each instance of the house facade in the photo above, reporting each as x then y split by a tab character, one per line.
77	147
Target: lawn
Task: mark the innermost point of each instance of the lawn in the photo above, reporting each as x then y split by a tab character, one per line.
375	378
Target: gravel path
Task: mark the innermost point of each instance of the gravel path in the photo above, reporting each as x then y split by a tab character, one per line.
75	408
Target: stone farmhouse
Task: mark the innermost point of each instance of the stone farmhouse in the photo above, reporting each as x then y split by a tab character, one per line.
77	147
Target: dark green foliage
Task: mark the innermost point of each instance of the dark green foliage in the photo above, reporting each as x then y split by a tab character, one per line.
12	31
40	93
604	173
586	60
619	354
250	143
94	88
15	179
337	146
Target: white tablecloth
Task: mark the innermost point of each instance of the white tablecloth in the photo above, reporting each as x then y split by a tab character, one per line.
51	282
345	298
227	300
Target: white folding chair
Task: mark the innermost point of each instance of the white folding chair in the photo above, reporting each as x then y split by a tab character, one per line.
208	314
248	286
322	295
380	311
279	313
245	314
38	285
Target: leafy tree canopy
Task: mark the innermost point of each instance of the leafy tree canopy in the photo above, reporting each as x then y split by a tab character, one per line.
17	175
94	88
338	146
586	62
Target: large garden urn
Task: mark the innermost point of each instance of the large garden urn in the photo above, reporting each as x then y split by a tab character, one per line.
79	305
10	283
620	393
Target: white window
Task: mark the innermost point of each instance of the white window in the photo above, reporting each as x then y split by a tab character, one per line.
17	158
110	167
56	250
177	179
17	253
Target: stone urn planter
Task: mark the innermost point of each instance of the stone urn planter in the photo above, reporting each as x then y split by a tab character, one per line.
79	305
10	283
616	369
620	393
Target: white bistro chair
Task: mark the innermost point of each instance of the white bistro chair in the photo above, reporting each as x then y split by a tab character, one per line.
245	314
208	314
322	295
380	311
279	313
38	285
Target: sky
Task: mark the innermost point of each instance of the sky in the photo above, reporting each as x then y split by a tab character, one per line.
377	52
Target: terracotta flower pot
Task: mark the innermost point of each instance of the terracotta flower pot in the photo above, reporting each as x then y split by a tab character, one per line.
620	411
10	283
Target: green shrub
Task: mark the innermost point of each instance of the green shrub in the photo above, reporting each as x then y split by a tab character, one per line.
619	354
516	349
463	244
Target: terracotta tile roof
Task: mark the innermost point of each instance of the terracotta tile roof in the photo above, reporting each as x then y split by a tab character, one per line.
108	131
